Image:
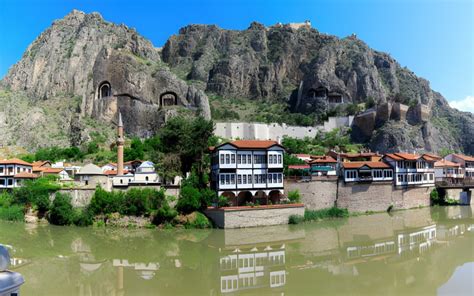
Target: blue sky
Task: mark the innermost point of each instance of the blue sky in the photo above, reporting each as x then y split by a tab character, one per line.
434	38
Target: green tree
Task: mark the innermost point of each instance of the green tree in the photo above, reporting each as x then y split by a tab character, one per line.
187	137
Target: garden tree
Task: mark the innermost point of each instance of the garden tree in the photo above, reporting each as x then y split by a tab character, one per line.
289	159
336	139
187	137
136	150
445	151
169	166
36	193
194	194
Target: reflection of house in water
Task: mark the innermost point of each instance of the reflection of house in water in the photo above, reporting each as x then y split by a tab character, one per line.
416	241
253	268
144	270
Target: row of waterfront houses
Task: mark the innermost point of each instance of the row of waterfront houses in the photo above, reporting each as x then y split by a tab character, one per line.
248	171
403	169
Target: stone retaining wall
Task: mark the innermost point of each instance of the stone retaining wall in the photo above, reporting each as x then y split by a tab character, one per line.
240	217
315	195
359	197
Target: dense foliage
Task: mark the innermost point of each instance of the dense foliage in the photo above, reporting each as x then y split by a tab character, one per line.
321	143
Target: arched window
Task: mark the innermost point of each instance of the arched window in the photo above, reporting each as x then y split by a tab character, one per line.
168	99
104	90
146	178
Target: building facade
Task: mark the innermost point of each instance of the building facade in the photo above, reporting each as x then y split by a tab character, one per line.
412	169
466	163
366	171
13	172
248	171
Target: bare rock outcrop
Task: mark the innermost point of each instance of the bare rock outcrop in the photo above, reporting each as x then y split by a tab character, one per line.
82	52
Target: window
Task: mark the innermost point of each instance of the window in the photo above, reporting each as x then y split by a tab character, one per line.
279	158
232	158
227	158
280	178
245	179
275	178
121	181
2	182
249	159
431	177
146	178
232	179
255	179
270	180
10	182
1	170
249	178
239	159
255	159
264	178
239	179
222	179
227	179
244	159
222	158
270	159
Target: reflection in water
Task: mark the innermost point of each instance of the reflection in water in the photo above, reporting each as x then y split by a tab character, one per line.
243	269
410	252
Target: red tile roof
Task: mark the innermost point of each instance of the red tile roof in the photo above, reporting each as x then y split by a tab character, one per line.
403	156
370	164
25	175
446	163
114	172
15	161
40	163
254	144
430	157
51	170
298	167
249	144
322	159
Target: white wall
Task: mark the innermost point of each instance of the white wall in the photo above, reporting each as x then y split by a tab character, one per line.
275	131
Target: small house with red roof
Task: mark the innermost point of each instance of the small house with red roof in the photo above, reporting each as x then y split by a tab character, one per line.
466	163
248	171
448	171
323	165
412	169
366	171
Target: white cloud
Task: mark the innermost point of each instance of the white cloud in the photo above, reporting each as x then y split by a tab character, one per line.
467	104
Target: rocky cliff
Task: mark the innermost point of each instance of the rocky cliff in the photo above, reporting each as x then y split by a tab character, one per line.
310	70
108	67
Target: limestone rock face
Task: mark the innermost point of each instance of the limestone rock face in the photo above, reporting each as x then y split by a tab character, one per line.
81	52
303	65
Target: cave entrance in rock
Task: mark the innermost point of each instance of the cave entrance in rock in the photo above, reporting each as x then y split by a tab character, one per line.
104	90
320	92
168	99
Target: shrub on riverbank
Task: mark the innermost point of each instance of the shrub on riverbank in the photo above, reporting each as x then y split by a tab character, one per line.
12	213
313	215
294	196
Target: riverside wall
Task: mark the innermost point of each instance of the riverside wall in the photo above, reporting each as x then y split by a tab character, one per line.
240	217
315	195
359	197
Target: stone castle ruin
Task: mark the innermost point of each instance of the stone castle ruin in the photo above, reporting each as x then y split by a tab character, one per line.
366	122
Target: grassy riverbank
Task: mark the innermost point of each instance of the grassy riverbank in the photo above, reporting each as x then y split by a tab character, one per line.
147	208
316	215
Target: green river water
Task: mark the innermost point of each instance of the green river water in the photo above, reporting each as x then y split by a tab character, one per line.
427	251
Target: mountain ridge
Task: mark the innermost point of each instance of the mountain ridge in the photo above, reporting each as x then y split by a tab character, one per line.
282	63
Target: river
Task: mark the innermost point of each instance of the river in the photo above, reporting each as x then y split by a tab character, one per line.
427	251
